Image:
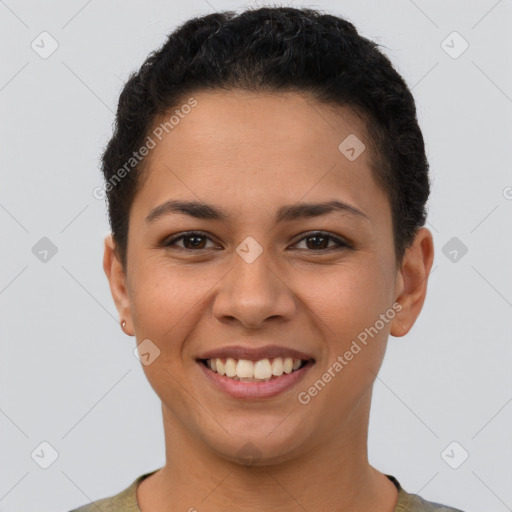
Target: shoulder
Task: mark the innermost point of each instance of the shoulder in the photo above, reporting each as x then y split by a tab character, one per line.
413	503
125	501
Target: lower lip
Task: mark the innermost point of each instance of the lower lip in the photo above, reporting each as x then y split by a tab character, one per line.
264	389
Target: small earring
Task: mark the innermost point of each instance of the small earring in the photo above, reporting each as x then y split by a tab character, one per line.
123	324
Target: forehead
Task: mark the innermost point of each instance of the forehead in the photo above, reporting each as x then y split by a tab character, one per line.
221	118
251	150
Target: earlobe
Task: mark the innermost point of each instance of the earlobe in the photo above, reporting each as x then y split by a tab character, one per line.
117	281
412	280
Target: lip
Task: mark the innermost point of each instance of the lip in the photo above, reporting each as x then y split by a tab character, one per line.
254	353
255	390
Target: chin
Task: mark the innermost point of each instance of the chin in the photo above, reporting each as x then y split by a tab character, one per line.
259	446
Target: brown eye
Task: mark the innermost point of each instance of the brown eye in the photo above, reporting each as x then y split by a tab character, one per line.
319	242
314	242
191	241
195	241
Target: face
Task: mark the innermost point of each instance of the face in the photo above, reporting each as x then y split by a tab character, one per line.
255	264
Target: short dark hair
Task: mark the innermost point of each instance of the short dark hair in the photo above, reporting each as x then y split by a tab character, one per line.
276	49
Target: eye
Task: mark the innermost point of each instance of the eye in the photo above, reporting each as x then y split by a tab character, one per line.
318	240
191	240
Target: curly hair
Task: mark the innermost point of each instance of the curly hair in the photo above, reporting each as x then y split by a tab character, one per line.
274	49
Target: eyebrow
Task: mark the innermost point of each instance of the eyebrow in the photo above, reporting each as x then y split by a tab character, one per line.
287	213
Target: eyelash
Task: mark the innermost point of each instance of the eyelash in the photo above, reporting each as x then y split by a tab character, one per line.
341	243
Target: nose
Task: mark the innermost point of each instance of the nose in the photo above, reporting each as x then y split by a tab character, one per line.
252	293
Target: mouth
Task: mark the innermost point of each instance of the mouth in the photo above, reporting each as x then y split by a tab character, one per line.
262	370
259	379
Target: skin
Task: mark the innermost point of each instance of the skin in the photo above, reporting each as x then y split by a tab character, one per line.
251	154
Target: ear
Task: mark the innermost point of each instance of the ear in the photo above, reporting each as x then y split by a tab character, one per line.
411	282
117	280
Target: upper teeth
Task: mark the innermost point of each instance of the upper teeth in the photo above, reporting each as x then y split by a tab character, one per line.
246	369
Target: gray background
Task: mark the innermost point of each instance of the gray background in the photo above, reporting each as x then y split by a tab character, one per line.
68	374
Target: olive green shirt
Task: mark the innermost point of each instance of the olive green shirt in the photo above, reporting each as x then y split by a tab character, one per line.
126	501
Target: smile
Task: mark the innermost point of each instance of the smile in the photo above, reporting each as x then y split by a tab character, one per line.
253	371
246	379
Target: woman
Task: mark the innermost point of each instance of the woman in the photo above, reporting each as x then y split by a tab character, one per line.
266	186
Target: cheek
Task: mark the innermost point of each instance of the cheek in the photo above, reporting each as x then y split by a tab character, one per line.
163	300
350	299
348	308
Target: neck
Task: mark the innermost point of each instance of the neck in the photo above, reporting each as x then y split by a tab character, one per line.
333	473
